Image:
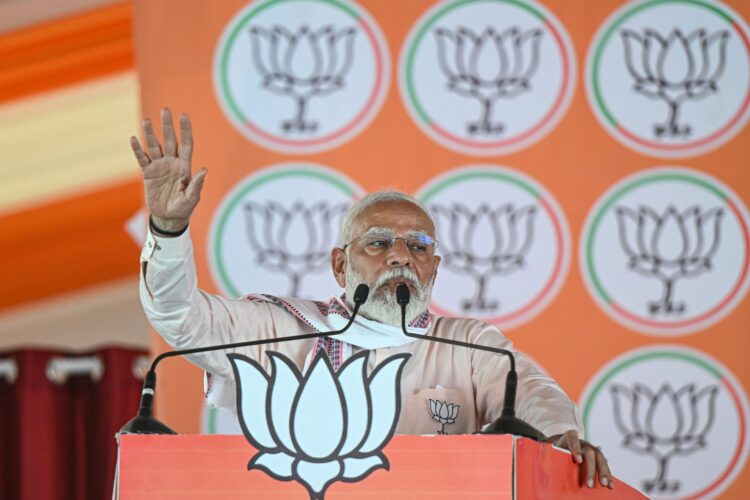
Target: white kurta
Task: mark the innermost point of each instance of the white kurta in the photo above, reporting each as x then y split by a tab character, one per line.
188	317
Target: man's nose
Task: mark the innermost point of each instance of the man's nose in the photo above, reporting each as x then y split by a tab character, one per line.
399	254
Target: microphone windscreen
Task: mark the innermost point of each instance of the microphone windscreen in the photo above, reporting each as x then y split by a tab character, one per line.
402	294
361	293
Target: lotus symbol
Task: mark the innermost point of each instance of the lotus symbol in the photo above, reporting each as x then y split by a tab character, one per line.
302	64
443	412
674	69
663	424
485	242
669	246
488	66
294	241
322	427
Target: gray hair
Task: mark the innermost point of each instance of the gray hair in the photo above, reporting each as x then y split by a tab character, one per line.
346	227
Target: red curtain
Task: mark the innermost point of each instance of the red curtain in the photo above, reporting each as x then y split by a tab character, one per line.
57	440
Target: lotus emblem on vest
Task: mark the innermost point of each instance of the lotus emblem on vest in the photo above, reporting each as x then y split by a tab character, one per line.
323	427
443	412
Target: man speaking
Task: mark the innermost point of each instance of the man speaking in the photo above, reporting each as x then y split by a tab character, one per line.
385	240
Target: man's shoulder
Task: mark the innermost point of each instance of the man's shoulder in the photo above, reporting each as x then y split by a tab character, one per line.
469	329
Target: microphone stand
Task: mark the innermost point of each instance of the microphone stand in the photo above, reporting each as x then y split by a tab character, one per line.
145	423
507	423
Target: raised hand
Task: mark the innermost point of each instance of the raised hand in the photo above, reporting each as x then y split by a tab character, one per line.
172	192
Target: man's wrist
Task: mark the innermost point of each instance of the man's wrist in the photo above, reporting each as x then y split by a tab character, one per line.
167	227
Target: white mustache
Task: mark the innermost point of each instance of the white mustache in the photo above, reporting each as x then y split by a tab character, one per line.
381	306
399	272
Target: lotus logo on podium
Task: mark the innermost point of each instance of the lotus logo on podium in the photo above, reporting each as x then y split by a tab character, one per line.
321	427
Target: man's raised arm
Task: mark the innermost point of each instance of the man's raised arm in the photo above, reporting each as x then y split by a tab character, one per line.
184	315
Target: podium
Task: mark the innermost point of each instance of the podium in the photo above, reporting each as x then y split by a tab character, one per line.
213	467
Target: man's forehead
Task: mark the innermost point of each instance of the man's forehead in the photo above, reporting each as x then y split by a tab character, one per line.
398	216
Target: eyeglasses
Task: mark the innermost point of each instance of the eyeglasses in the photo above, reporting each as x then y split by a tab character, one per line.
375	244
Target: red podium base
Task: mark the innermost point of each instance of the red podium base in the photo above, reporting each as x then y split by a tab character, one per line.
430	467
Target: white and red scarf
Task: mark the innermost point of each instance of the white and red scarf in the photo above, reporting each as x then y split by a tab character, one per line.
322	317
334	315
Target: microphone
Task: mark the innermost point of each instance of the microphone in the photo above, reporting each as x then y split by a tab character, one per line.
145	423
507	423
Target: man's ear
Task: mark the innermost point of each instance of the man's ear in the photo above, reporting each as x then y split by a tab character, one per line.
435	268
338	265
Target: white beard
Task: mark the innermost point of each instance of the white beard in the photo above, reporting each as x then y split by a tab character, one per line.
381	304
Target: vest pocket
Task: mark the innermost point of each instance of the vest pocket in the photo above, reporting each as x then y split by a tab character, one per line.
436	411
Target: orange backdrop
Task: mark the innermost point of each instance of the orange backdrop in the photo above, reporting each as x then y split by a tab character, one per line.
572	338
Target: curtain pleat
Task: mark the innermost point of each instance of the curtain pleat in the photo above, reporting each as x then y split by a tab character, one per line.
9	441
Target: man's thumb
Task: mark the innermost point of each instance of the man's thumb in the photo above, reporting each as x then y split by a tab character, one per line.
196	183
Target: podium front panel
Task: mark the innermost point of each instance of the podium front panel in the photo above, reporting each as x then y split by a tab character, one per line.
215	467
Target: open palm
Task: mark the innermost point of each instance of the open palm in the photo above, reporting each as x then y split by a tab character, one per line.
172	192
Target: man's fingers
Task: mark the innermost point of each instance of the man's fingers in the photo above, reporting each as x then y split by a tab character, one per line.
589	463
193	190
605	475
153	145
186	138
170	139
574	445
140	154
